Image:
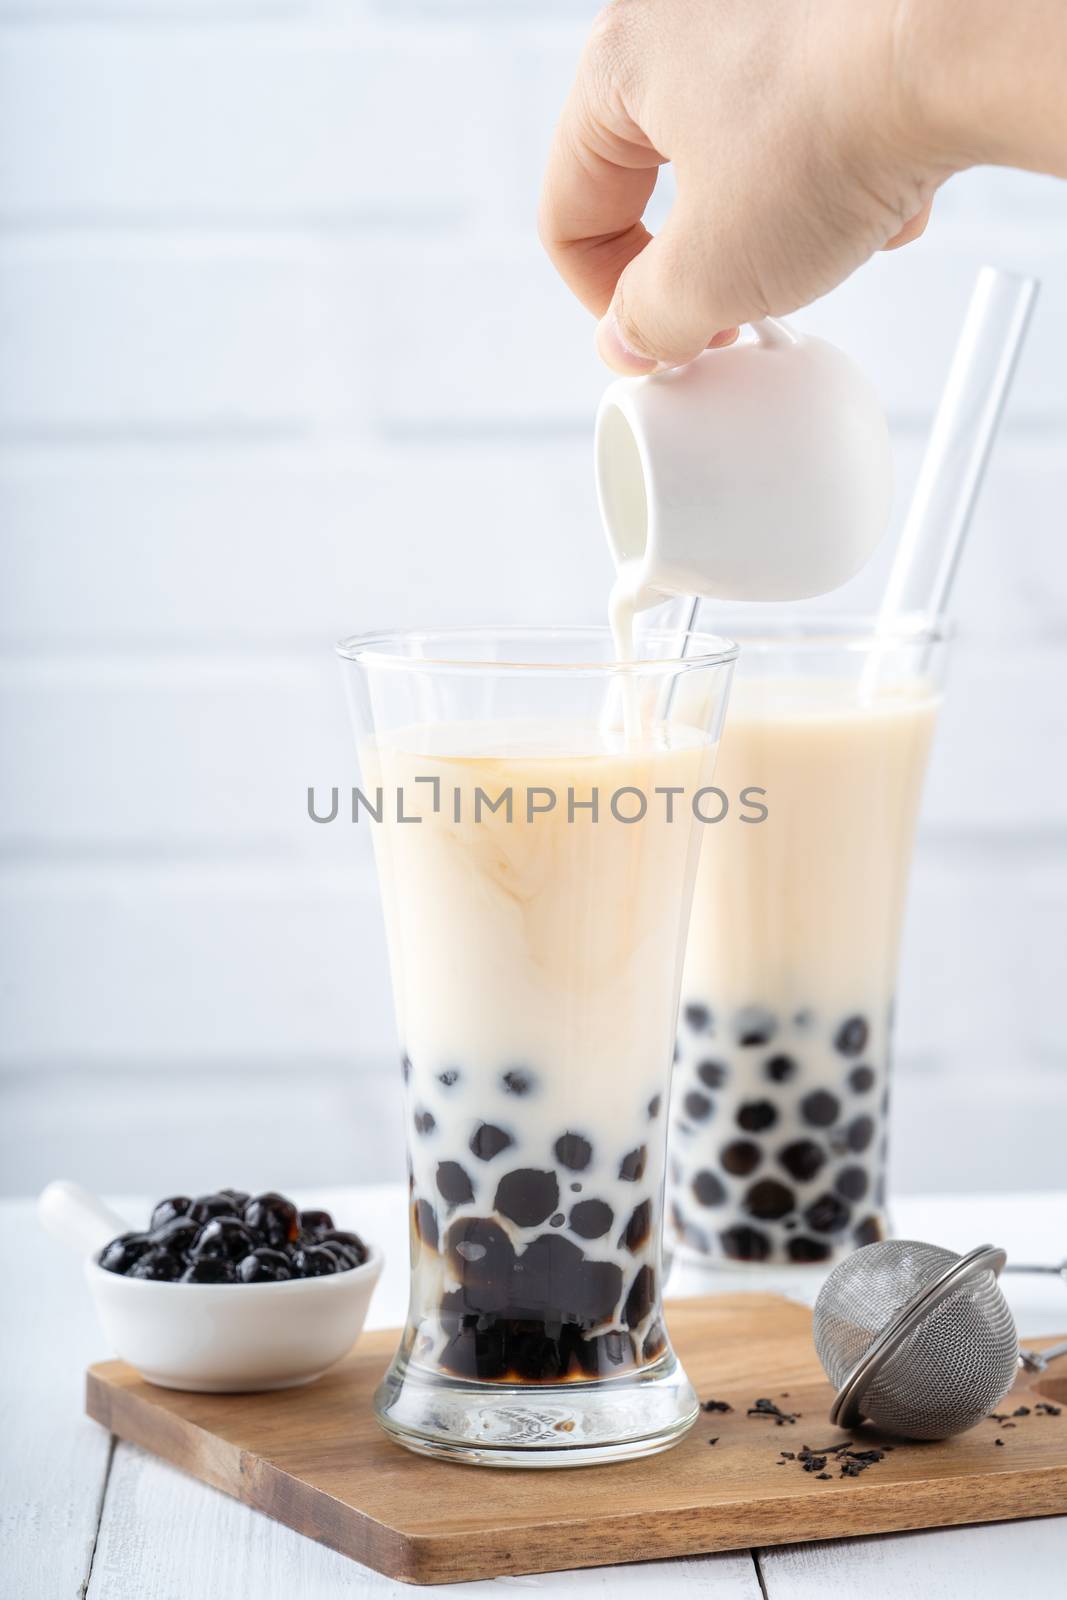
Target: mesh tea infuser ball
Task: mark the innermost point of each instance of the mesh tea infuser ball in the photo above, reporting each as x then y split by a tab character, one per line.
916	1339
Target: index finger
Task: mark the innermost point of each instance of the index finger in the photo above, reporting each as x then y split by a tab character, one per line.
601	172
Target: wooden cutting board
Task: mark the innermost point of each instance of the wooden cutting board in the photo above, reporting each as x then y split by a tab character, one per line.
315	1459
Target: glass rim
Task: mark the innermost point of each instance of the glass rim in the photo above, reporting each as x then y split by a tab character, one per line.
857	631
690	649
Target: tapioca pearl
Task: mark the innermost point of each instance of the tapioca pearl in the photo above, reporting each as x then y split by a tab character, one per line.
405	1067
869	1231
545	1258
639	1228
426	1223
575	1188
802	1159
605	1353
828	1214
655	1342
591	1219
573	1151
553	1278
820	1108
655	1105
698	1106
779	1069
859	1134
860	1079
537	1350
425	1122
616	1348
540	1355
632	1166
453	1184
640	1298
755	1025
449	1077
517	1081
552	1353
756	1115
699	1018
769	1200
557	1220
851	1037
745	1244
488	1140
450	1309
852	1182
708	1188
741	1157
527	1197
804	1249
601	1283
476	1352
713	1074
482	1258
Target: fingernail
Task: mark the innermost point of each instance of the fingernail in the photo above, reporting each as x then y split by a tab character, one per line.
616	353
721	340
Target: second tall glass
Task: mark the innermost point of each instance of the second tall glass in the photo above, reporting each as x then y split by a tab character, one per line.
778	1140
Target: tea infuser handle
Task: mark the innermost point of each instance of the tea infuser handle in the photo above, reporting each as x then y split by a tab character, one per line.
1059	1271
1038	1360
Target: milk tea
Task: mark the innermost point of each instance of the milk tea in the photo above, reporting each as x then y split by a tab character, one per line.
778	1138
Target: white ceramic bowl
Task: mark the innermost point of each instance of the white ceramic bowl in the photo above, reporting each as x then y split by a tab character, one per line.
215	1337
229	1337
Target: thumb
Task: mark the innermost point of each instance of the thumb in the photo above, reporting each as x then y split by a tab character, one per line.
913	229
668	305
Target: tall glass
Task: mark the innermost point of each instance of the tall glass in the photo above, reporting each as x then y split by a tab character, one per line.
778	1138
536	865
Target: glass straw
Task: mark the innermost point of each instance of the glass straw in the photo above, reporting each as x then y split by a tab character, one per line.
965	427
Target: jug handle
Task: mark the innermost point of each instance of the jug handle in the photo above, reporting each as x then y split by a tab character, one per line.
774	334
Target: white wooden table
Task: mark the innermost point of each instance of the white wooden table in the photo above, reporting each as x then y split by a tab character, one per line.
83	1515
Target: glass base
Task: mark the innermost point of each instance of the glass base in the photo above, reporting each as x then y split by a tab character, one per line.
693	1274
537	1425
689	1271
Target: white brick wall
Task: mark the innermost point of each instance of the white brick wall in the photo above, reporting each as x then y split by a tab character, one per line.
278	350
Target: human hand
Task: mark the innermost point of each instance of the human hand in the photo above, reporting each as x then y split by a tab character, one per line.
800	144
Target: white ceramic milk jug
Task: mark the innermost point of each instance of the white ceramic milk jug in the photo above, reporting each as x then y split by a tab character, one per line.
759	472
